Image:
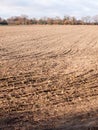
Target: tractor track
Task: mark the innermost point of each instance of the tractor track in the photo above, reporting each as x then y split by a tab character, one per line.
48	78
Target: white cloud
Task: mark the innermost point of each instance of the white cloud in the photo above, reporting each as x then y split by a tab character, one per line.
49	8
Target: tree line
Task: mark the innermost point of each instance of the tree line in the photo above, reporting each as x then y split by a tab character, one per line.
66	20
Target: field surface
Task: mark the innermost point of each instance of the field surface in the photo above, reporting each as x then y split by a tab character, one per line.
48	77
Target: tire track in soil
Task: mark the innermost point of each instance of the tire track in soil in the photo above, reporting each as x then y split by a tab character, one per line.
21	91
39	101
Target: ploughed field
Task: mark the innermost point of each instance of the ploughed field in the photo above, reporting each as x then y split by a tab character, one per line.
48	77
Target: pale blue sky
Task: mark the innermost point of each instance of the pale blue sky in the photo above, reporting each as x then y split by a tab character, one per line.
48	8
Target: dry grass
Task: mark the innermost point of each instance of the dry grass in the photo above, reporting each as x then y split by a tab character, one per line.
48	77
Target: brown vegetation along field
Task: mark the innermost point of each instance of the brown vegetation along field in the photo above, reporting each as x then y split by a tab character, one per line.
48	77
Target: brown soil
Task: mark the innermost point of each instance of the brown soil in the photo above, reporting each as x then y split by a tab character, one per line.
49	77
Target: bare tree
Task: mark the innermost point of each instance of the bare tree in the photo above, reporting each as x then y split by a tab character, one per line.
42	20
50	21
95	19
68	20
34	21
86	19
58	20
0	19
23	19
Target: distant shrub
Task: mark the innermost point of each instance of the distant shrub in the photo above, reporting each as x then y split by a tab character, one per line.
4	22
